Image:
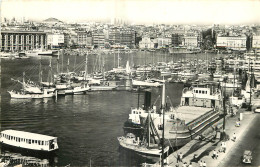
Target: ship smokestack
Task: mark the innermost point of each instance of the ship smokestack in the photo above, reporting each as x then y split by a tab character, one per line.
147	100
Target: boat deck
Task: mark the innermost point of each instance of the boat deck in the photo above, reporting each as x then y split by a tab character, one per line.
189	113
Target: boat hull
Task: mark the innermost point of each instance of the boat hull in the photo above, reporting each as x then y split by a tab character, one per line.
177	138
102	88
142	150
184	137
28	152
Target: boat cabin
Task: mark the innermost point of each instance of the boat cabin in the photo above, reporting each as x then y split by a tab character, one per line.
201	97
27	140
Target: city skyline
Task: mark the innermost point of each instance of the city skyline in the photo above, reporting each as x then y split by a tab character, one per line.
132	11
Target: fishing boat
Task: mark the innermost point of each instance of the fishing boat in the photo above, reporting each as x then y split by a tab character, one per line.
78	90
131	143
38	52
102	87
31	91
149	143
29	86
148	83
22	95
27	140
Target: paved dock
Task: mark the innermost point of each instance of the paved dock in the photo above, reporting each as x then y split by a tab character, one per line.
204	149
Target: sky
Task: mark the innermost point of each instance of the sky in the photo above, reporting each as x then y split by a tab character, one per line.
137	11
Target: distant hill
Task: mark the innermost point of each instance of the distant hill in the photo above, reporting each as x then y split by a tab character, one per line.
52	20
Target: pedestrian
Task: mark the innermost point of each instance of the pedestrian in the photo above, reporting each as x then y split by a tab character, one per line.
201	163
234	137
184	164
204	164
223	147
178	158
217	155
181	156
214	156
190	165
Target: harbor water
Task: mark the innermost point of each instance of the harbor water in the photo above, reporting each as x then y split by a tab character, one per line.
87	126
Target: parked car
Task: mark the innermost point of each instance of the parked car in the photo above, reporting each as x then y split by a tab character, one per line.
247	157
257	110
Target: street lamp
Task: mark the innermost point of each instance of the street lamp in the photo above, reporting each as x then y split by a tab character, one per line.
224	103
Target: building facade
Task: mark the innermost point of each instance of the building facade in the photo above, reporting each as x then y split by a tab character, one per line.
22	40
127	37
190	41
114	36
55	41
177	39
231	42
122	36
146	43
84	39
163	42
98	39
256	42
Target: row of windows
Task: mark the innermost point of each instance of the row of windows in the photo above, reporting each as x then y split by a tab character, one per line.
136	112
28	141
200	91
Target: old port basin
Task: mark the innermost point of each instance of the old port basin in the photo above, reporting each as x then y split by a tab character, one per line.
127	108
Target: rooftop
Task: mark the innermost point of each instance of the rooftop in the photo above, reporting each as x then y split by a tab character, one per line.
27	135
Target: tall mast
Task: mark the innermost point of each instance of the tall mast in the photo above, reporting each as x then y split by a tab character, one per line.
50	80
40	71
114	59
163	112
149	128
58	69
23	81
68	65
86	67
61	60
118	58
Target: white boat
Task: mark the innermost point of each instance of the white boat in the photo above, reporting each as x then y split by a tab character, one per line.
45	52
61	86
217	75
203	74
78	90
37	52
130	142
230	85
32	89
8	55
102	87
47	84
146	83
18	95
22	95
29	87
27	140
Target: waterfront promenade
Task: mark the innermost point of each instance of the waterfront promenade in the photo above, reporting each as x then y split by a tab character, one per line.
203	149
